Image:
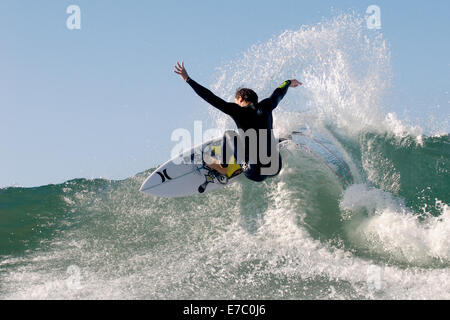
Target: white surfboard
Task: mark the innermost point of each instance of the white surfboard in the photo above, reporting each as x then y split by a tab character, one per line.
186	175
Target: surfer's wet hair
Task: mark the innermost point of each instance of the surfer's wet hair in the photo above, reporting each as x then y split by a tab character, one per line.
247	95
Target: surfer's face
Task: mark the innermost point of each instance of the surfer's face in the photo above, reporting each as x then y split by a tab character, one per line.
241	102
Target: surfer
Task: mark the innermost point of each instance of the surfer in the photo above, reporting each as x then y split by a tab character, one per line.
248	114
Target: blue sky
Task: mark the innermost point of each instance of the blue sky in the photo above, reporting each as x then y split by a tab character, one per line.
103	101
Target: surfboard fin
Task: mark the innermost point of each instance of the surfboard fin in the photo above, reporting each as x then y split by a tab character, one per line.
202	188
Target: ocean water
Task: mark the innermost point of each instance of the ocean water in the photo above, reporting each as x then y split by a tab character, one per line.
359	211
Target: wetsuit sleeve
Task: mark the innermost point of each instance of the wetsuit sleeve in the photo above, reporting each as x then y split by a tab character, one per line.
279	94
226	107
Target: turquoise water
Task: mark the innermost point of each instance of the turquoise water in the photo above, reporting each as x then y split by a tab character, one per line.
366	217
300	235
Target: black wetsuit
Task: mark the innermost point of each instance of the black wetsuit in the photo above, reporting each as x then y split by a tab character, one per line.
254	116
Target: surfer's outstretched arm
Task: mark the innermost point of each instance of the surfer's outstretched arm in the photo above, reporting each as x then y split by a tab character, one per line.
206	94
211	98
280	92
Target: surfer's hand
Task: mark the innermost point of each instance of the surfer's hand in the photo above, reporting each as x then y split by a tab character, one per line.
179	69
295	83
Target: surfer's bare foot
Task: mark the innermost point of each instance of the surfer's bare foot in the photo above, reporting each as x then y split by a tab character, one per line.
215	164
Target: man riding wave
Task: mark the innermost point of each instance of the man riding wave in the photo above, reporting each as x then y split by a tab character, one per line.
255	124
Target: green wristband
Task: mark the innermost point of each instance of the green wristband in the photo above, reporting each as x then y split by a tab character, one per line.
284	84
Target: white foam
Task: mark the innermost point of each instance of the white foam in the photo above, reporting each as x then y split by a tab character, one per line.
383	225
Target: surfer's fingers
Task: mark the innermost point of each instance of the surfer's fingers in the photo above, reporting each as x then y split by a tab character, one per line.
178	69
